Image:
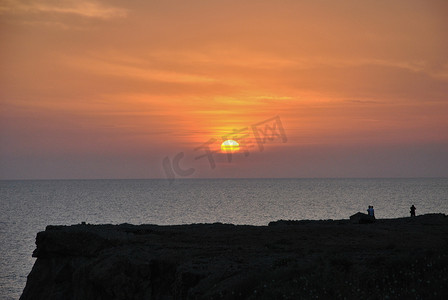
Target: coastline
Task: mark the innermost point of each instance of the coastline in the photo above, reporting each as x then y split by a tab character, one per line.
403	257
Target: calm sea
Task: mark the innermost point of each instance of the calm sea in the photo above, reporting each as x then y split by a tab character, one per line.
26	207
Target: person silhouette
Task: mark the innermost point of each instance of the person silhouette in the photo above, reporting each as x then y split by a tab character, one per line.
413	210
371	211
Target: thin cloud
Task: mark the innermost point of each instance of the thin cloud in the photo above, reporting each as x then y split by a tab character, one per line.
89	9
363	101
118	68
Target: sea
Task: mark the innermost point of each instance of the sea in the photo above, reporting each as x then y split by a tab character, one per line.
28	206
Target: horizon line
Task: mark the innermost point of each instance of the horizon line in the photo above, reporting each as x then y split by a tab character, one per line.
216	178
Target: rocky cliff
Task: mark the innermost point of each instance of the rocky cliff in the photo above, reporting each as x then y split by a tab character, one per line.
397	258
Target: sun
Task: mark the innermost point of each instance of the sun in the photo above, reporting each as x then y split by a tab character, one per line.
230	146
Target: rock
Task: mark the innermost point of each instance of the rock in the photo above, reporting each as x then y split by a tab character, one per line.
360	218
304	259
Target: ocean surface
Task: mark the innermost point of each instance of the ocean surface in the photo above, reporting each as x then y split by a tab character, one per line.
27	207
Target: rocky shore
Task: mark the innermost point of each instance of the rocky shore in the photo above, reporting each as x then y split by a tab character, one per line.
403	258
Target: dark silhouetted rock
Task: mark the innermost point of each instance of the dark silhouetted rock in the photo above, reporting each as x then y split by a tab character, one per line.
398	258
360	218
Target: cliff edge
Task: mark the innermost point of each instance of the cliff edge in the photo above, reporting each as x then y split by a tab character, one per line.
395	258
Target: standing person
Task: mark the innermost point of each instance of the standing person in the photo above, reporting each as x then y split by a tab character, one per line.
413	210
370	211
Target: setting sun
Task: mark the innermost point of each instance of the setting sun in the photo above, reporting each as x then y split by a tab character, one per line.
230	146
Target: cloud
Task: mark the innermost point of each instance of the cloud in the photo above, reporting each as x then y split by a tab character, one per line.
89	9
117	68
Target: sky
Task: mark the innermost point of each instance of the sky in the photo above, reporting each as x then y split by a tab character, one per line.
150	89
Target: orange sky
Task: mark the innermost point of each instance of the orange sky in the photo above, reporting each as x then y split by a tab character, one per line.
108	89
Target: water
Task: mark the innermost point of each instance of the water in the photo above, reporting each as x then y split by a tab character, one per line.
26	207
